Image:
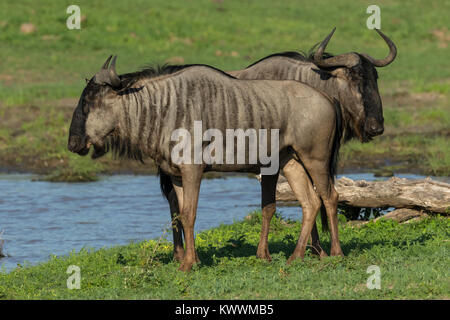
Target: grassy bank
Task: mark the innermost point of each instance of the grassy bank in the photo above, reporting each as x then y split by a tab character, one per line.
43	66
412	257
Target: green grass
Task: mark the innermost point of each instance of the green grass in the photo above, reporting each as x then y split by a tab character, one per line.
413	260
42	74
53	61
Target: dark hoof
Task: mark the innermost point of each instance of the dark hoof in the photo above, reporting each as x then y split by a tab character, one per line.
264	254
186	266
338	254
264	257
319	252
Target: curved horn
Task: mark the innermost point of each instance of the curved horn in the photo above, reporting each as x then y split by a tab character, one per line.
391	56
113	77
318	56
348	59
105	65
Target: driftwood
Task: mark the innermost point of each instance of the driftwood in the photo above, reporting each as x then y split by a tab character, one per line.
420	194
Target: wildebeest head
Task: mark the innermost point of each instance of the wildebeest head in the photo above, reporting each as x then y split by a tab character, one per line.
361	77
94	119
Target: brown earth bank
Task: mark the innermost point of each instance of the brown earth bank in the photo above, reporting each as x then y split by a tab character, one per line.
378	166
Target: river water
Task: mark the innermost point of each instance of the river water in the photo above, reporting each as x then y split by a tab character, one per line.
43	218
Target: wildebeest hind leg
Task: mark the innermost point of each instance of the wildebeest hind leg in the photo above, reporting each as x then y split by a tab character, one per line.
177	227
268	207
321	177
305	194
315	243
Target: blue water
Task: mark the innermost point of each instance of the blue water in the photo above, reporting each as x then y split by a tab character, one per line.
42	218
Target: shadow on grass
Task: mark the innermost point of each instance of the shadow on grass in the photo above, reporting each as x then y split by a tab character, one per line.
239	248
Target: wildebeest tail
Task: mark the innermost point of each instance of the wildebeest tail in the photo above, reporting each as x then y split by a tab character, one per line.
165	183
337	140
324	219
333	159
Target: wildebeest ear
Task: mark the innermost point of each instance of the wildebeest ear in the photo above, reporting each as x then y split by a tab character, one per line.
127	82
324	75
340	73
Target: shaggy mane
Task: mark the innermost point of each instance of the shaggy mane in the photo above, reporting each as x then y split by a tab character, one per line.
300	55
128	79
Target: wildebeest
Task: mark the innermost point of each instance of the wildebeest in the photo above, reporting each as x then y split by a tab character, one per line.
351	78
136	114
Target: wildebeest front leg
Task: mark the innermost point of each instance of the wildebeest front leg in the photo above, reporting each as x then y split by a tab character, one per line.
268	207
177	227
191	177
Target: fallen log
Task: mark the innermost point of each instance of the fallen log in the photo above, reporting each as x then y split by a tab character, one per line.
420	194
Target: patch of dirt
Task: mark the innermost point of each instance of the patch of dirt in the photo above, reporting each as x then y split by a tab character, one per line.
50	37
443	37
411	100
371	163
186	41
27	28
70	103
13	118
6	79
175	60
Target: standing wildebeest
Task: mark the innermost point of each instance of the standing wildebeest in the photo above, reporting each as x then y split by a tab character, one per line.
351	79
136	114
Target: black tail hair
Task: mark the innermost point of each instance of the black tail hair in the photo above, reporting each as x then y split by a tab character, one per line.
337	140
324	219
165	182
333	159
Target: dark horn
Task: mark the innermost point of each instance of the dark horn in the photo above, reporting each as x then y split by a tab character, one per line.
113	77
348	59
318	56
391	56
105	65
